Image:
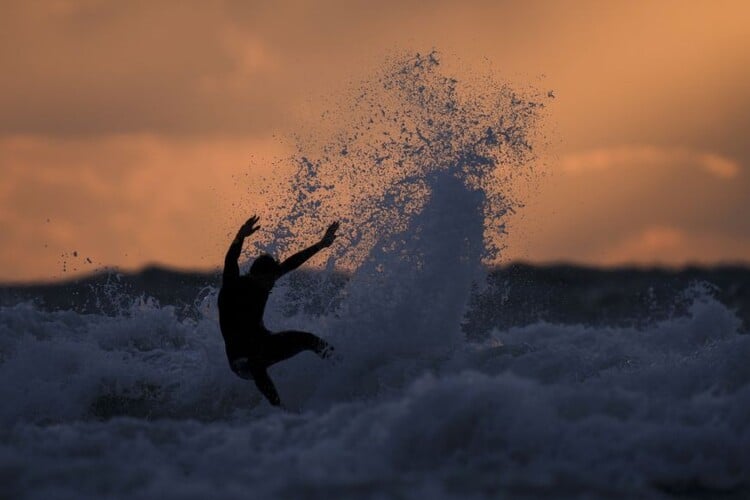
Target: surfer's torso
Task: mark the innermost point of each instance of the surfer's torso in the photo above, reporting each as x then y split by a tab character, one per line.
242	302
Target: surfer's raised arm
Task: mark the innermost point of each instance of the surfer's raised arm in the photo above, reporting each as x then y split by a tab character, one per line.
231	267
299	258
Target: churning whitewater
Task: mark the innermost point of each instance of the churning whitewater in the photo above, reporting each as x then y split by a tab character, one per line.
141	404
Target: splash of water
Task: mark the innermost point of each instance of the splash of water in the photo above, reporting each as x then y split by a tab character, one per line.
421	181
404	131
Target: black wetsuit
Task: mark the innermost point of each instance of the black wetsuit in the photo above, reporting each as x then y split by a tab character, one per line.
250	347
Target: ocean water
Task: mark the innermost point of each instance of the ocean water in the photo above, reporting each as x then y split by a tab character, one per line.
140	403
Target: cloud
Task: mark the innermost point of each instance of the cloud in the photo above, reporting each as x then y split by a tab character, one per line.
81	68
675	246
627	156
637	204
103	68
125	200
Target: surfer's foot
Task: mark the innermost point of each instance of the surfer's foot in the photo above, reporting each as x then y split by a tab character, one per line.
327	352
331	355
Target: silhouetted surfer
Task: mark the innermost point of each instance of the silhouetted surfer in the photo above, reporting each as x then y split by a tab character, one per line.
250	347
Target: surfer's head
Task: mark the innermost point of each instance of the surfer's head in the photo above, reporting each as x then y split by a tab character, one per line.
264	265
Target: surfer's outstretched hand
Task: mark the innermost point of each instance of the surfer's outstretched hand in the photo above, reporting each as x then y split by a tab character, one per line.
249	227
330	235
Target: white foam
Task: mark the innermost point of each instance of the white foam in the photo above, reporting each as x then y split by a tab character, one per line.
543	409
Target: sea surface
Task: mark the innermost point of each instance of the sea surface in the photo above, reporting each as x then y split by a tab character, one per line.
141	404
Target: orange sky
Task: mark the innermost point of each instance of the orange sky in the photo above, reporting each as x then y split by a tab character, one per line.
130	131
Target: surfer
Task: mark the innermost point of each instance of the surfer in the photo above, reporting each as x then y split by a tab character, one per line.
250	347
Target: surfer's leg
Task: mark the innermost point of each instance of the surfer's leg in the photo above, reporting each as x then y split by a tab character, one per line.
284	345
265	385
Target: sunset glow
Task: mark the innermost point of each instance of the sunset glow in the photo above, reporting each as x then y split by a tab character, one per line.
133	132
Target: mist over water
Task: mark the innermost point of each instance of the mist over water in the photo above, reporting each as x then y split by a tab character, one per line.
141	404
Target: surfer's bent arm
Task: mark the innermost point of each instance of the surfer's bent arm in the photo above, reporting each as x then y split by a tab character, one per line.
231	266
300	258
